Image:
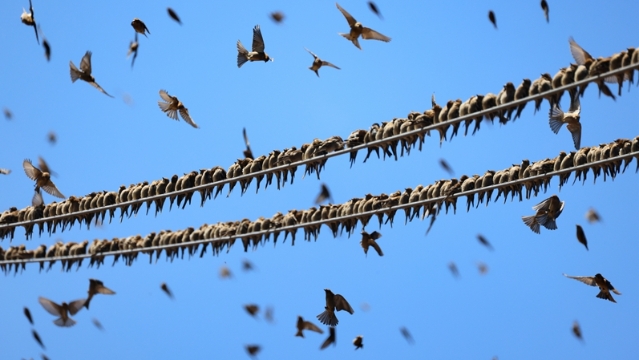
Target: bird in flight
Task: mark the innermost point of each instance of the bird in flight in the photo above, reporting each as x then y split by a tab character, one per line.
257	49
85	72
358	29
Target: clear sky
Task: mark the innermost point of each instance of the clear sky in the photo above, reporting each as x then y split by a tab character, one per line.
523	308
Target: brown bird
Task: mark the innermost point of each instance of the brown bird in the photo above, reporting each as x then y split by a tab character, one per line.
42	179
370	240
252	349
334	302
257	49
5	171
330	339
484	241
139	27
593	216
547	212
546	9
133	49
581	236
28	18
453	269
172	106
358	342
306	325
318	63
44	167
406	334
225	273
482	268
63	311
277	16
97	324
444	164
374	9
27	313
247	153
97	287
358	29
604	285
558	118
491	17
576	329
85	72
173	15
37	338
324	195
252	309
166	289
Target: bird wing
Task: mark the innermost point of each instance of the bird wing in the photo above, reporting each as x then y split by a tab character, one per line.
326	63
588	280
310	326
165	95
101	289
258	41
185	115
370	34
95	84
544	205
578	53
610	287
351	20
575	105
310	52
375	235
32	172
331	337
342	304
85	63
76	306
555	119
375	246
575	130
51	307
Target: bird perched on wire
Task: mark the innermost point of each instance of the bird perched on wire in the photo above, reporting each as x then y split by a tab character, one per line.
358	29
306	325
63	311
558	118
318	63
172	106
140	27
598	280
547	212
257	49
28	18
42	179
97	287
85	72
334	302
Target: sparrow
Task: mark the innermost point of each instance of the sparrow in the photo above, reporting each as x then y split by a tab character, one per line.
604	285
446	167
358	342
63	311
324	195
252	349
330	339
484	242
42	179
546	9
547	212
133	49
374	9
581	236
173	15
5	171
172	106
27	313
576	329
257	53
37	338
306	325
318	63
334	302
571	118
85	72
370	240
247	153
491	17
406	334
358	29
252	309
166	289
28	18
97	287
593	216
139	27
277	16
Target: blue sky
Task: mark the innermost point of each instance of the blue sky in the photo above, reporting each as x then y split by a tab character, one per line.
523	308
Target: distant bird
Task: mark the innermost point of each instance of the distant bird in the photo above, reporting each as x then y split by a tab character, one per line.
484	241
257	49
334	302
247	265
172	106
483	268
45	45
406	334
140	27
593	216
97	324
325	194
5	171
358	29
63	311
576	330
604	285
373	7
52	137
97	287
173	15
37	338
453	269
27	313
547	212
330	339
359	340
306	325
371	240
133	49
318	63
247	153
252	309
7	114
85	72
166	289
444	164
546	9
581	236
28	18
558	118
277	16
252	349
268	314
225	273
491	17
42	179
37	199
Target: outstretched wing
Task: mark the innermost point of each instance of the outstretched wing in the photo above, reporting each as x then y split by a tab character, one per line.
51	307
588	280
351	20
370	34
578	53
32	172
342	304
185	115
258	41
326	63
85	64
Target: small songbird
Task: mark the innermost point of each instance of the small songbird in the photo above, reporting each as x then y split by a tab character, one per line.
306	325
247	153
334	302
358	342
257	49
225	273
593	216
37	338
252	309
371	240
598	280
97	287
5	171
581	236
277	16
133	49
358	29
140	27
64	311
172	106
330	339
547	212
173	15
166	289
373	7
444	164
85	72
252	349
491	17
27	313
406	334
546	9
324	195
42	179
576	329
28	18
484	241
318	63
558	118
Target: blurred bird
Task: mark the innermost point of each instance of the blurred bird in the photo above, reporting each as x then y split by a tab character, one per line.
547	212
268	314
571	118
42	179
406	334
358	29
359	340
28	18
491	17
63	311
257	49
453	269
85	72
37	338
173	15
604	285
252	349
374	9
324	195
45	45
277	16
484	242
576	329
546	9
166	289
593	216
247	153
306	325
578	53
483	268
330	339
318	63
133	49
5	171
370	240
97	324
225	273
7	114
37	199
334	302
140	27
44	167
52	137
97	287
446	167
247	265
172	106
252	309
581	236
27	313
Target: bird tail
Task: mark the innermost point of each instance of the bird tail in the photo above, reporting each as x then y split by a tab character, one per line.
60	322
242	54
556	115
606	296
299	333
550	224
328	318
75	73
531	222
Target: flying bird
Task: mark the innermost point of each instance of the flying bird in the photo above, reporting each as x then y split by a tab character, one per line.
64	311
37	338
491	17
52	137
484	241
593	216
268	314
97	324
598	280
140	27
45	45
581	236
28	18
247	153
166	289
482	268
324	195
44	167
133	49
7	114
444	164
373	7
406	334
453	269
277	16
546	9
306	325
37	199
318	63
252	349
330	339
173	15
225	273
334	302
252	309
358	29
257	49
247	265
27	313
85	72
558	118
172	106
547	212
371	240
42	179
97	287
5	171
359	340
576	330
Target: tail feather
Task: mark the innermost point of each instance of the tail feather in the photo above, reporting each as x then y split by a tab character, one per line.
327	318
606	296
241	54
531	222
